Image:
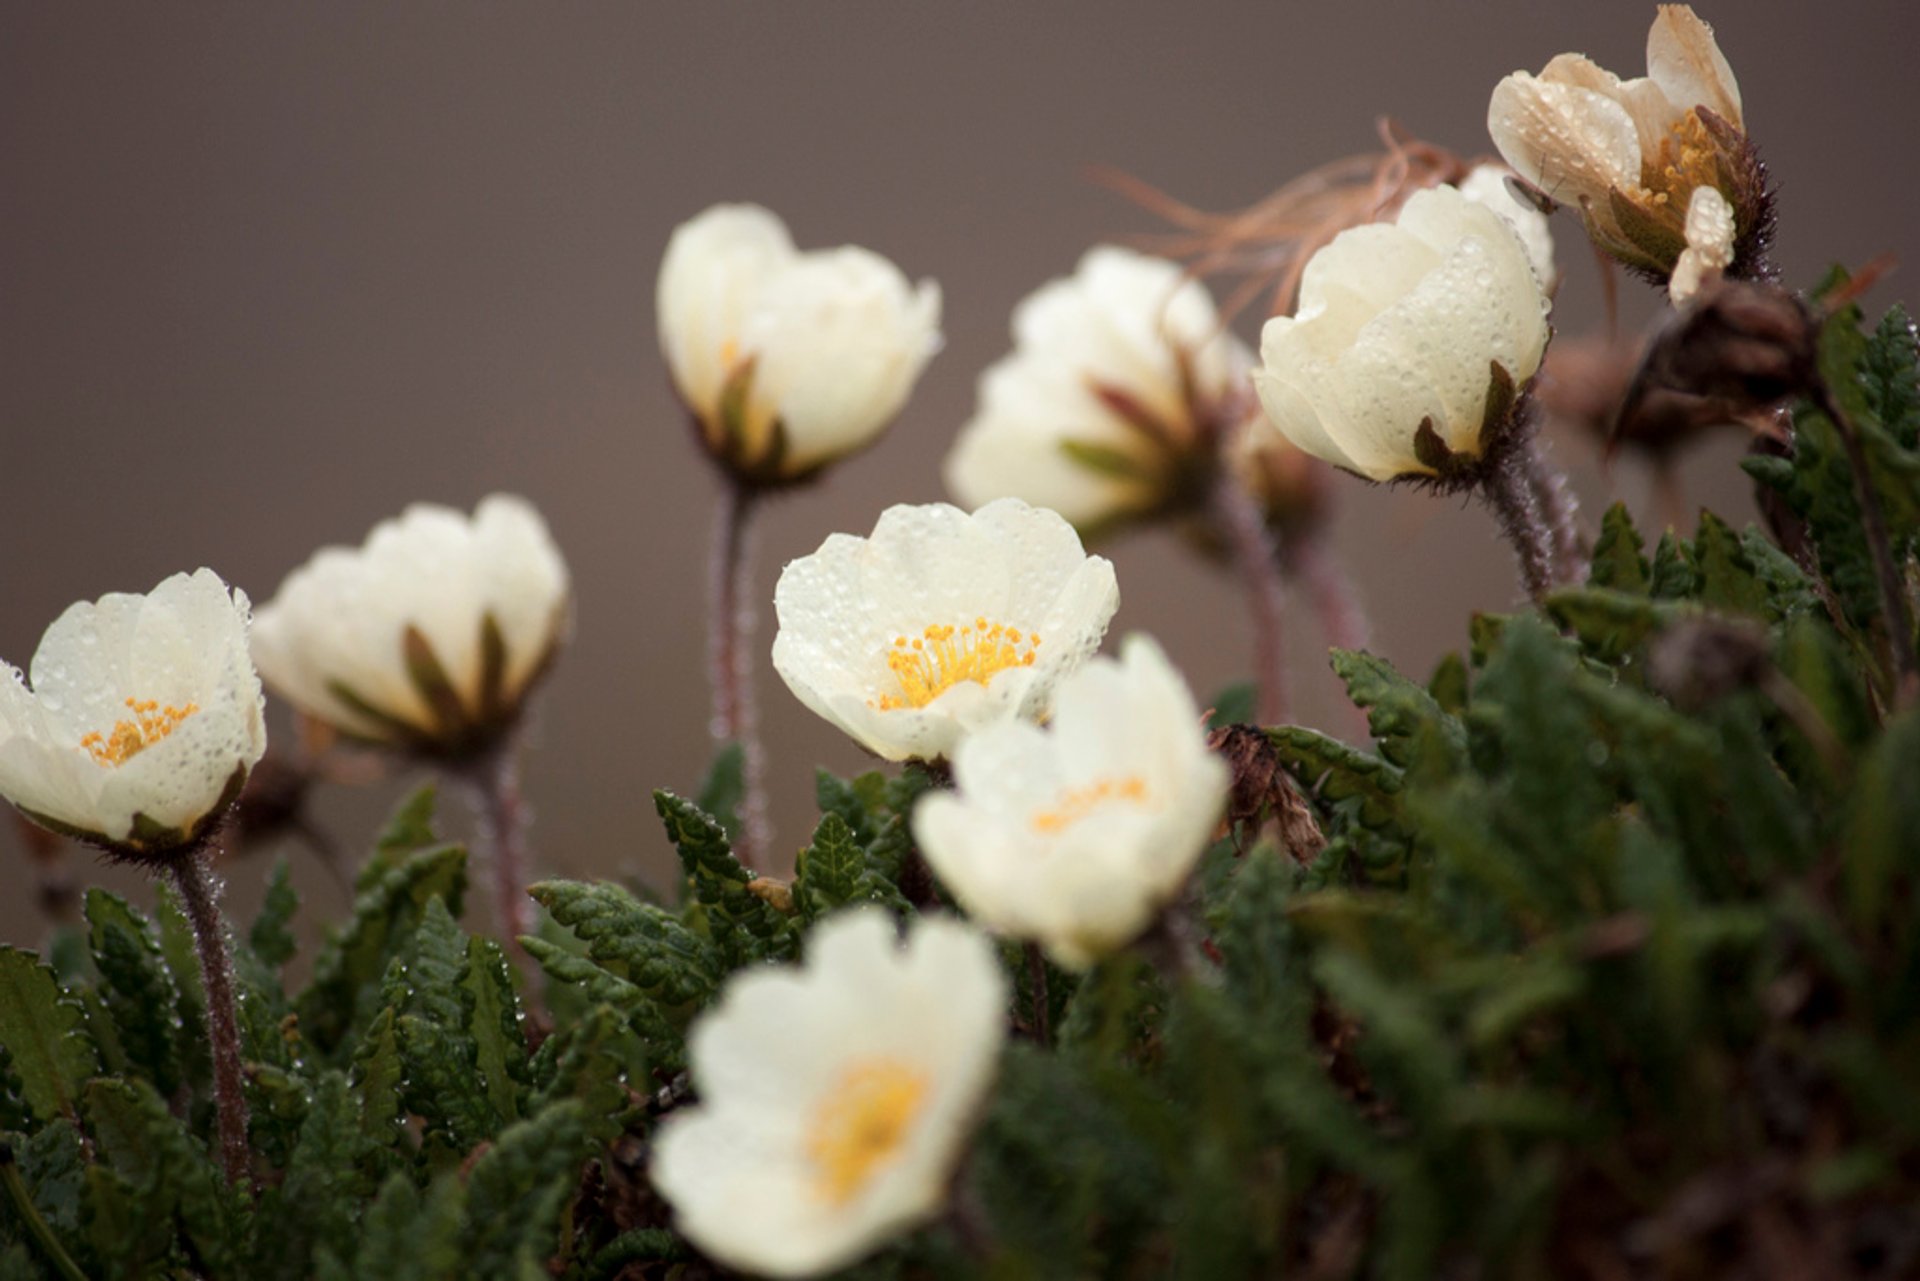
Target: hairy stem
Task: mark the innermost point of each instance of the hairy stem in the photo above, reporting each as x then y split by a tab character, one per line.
1558	508
1893	597
729	664
1510	495
199	893
1245	530
1335	603
500	813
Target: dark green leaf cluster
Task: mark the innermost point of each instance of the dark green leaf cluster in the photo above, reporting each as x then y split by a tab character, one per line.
401	1126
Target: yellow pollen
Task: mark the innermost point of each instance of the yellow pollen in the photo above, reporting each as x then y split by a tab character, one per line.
1687	159
1076	803
151	723
862	1123
942	656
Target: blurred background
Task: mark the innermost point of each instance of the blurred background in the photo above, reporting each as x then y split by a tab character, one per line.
270	273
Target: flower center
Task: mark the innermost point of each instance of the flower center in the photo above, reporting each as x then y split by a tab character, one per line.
862	1123
941	657
1076	803
151	723
1687	159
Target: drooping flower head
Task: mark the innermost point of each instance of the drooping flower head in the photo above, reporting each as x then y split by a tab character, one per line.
787	360
1121	381
142	720
939	623
1410	344
836	1098
1635	156
429	635
1077	835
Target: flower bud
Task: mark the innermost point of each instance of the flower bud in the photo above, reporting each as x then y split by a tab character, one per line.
1631	154
1411	342
1111	403
787	360
429	636
142	722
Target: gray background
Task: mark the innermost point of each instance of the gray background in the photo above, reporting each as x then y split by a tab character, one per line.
270	272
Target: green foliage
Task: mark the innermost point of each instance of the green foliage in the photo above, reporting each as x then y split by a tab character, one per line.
47	1053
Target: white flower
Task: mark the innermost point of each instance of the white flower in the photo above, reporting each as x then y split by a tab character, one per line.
1409	341
143	720
834	1099
1119	375
1630	153
429	634
939	623
787	360
1077	835
1488	185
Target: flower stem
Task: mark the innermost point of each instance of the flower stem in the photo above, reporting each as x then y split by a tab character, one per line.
1335	603
1245	530
1510	494
37	1228
1893	597
199	894
500	813
729	664
1559	508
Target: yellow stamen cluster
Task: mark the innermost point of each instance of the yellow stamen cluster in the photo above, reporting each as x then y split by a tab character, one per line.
862	1123
151	723
1687	159
1076	803
941	657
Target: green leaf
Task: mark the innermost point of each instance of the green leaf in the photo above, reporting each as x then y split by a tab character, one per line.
136	986
1883	831
1674	576
443	1083
318	1200
1618	564
1609	624
165	1172
409	1237
592	1063
1449	684
725	787
1727	580
408	831
834	872
271	939
1889	374
51	1054
378	1070
1403	716
1334	773
495	1027
636	941
743	926
345	989
517	1190
861	802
